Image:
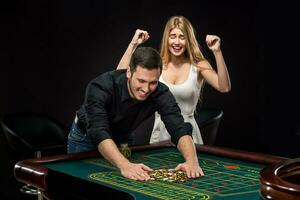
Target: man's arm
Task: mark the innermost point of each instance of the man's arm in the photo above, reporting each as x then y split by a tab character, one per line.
191	165
180	133
98	98
110	152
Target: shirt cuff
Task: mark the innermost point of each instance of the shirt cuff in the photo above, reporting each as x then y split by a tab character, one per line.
185	129
98	136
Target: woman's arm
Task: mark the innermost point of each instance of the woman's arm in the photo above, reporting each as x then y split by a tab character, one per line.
139	37
219	80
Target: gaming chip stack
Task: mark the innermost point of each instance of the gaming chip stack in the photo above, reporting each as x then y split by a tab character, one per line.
168	175
125	150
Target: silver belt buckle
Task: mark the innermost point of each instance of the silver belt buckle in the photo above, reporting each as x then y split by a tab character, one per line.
76	119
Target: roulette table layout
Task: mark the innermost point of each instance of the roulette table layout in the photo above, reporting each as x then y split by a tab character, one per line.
229	174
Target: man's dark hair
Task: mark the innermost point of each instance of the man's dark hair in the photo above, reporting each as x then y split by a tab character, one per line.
145	57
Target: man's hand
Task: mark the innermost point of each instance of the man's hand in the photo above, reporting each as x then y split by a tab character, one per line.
135	171
192	170
191	165
110	152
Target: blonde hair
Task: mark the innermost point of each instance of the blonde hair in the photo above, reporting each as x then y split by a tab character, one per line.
193	52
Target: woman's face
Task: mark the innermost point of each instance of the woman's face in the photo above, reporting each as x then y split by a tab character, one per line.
176	42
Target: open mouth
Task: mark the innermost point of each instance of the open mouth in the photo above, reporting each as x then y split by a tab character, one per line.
143	95
177	49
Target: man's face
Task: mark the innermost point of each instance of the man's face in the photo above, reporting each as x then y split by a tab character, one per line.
142	82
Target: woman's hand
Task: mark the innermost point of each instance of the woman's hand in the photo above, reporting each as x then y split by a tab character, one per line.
213	42
140	37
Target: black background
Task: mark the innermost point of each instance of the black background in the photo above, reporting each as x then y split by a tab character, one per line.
51	49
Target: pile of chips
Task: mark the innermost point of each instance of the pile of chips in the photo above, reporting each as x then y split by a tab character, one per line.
168	175
158	174
125	150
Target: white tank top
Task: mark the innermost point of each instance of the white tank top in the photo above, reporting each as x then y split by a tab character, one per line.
187	96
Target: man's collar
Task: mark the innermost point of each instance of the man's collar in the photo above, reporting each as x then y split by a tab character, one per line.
124	89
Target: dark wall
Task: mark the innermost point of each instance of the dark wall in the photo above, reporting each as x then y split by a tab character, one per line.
51	49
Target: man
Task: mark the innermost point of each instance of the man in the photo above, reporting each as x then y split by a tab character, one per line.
117	102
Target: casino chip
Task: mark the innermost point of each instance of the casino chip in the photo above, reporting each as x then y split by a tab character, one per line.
168	175
125	150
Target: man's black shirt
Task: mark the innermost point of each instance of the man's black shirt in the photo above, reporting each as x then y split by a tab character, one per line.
108	110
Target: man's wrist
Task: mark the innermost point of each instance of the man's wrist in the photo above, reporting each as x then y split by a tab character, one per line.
122	164
192	161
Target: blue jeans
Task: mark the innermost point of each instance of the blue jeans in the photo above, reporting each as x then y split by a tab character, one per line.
78	141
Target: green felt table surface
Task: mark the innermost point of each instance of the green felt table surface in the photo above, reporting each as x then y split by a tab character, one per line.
226	179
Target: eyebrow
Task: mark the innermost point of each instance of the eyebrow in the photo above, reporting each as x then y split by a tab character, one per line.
174	34
147	81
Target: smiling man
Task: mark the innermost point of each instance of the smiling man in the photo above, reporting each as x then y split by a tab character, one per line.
116	102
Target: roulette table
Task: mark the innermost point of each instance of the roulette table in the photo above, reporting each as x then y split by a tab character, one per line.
229	174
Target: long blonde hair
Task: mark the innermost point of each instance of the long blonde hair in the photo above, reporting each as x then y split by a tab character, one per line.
193	52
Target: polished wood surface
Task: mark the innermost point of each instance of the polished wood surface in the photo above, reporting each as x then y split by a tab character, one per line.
281	180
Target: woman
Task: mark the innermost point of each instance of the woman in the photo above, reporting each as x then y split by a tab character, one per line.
184	70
